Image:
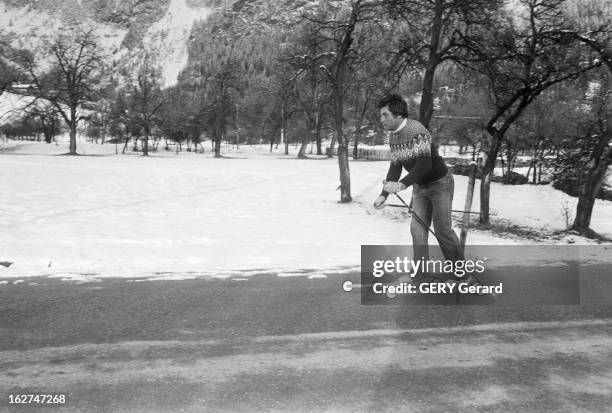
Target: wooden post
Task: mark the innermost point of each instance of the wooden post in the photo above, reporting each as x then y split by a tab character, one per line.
468	204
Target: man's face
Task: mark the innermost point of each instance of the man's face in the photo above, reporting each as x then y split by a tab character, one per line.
389	121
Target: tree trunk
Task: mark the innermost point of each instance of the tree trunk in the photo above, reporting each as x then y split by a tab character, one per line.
217	146
145	144
312	120
127	141
584	210
345	174
330	149
530	166
510	159
343	160
539	172
357	139
590	188
487	173
426	106
72	150
497	137
72	125
73	134
318	128
485	192
282	127
303	146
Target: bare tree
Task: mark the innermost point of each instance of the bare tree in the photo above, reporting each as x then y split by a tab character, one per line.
583	160
365	88
520	61
340	27
220	109
593	171
145	99
75	79
431	32
596	156
47	119
309	83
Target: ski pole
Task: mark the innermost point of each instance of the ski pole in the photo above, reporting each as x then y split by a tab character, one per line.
418	218
454	210
420	221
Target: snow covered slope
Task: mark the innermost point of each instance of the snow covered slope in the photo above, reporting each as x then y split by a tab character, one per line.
126	30
167	38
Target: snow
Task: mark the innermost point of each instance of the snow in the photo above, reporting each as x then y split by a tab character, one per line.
28	28
167	38
28	24
190	215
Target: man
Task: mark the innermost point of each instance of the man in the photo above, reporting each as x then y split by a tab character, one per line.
433	186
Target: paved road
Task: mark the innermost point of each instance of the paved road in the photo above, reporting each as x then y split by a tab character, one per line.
271	344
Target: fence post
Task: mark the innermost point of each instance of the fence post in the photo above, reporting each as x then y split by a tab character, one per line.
468	204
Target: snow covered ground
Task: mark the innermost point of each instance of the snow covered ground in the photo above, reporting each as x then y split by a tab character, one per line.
191	215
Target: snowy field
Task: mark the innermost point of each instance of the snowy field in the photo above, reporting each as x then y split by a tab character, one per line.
190	215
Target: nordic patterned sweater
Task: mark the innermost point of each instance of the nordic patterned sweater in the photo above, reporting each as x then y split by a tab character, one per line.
412	149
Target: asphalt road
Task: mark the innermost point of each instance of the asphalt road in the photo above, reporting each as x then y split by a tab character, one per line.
295	344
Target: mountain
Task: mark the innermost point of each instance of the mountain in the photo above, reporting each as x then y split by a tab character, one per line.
126	29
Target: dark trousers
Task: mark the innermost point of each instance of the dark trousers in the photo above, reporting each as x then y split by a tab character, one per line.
434	202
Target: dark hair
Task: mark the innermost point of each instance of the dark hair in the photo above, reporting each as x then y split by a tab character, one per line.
396	104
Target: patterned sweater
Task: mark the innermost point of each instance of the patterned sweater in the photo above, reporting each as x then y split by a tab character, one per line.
413	150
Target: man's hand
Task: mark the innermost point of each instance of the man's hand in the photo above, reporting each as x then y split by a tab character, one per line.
393	187
380	202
